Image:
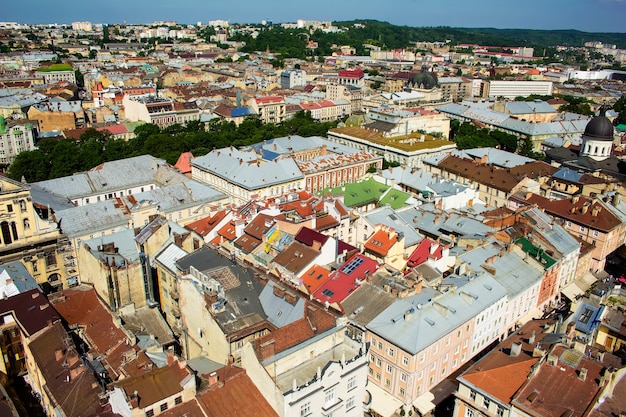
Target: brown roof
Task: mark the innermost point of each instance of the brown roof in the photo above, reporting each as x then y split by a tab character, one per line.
80	306
316	321
494	177
534	170
70	382
224	399
583	211
501	374
156	385
555	390
31	310
295	257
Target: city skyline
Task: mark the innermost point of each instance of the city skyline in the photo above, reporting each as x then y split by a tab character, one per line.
583	15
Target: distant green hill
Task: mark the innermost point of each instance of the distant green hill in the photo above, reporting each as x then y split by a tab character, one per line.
292	42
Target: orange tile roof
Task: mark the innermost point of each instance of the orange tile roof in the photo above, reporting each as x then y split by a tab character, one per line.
314	278
204	226
381	242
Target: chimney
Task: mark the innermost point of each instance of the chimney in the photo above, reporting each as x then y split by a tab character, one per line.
267	349
312	314
516	349
531	339
213	379
279	291
290	297
582	374
58	354
595	211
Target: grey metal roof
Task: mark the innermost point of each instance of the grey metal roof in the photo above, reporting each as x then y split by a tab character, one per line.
568	174
494	157
415	323
22	279
243	307
553	232
512	271
169	256
114	175
279	312
127	249
179	196
91	218
246	169
389	217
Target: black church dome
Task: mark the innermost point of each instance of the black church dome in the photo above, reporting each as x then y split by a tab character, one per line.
599	128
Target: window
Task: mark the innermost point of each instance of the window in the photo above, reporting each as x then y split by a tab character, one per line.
500	411
10	208
486	403
389	368
405	361
178	400
150	413
435	349
377	376
387	382
595	233
305	409
582	228
448	341
329	396
390	352
420	375
352	383
402	391
380	345
472	395
350	404
422	357
378	362
469	412
403	377
163	407
433	365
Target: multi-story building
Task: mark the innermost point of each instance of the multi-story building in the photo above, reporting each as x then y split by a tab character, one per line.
271	109
353	76
57	72
512	89
292	78
27	234
420	340
455	88
15	137
56	116
161	112
350	93
309	368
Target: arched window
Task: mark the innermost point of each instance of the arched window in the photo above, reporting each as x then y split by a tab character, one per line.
26	224
6	233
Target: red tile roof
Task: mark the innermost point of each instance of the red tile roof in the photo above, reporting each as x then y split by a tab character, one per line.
558	389
204	226
228	231
308	237
269	99
234	395
352	73
422	253
113	129
342	282
184	162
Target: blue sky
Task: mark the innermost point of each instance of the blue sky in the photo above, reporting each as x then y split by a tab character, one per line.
585	15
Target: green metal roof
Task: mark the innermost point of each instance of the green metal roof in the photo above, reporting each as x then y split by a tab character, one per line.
536	252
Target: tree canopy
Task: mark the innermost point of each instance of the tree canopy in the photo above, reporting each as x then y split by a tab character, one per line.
60	157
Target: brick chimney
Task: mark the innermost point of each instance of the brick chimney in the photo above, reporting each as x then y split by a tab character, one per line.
267	349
